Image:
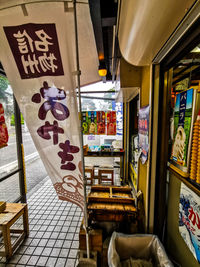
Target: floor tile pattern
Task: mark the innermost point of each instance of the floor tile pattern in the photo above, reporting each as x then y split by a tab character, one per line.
54	232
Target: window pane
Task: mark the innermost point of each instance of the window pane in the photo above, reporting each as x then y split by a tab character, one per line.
9	188
8	154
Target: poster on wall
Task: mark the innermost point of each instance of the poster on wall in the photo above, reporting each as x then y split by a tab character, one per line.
101	127
3	128
92	122
111	122
182	128
143	133
189	220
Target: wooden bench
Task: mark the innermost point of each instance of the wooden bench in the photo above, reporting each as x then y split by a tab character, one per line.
111	203
8	217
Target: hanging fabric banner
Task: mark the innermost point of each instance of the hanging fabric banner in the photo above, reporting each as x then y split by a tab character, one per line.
101	122
85	122
143	132
37	53
111	123
92	122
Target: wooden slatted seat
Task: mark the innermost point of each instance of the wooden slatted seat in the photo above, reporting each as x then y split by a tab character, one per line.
106	176
89	173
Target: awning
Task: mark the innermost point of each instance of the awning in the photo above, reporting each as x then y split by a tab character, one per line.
145	26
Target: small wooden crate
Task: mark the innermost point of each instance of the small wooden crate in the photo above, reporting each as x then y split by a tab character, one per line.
111	203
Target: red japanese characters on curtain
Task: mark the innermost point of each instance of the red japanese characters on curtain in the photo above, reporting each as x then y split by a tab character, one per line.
37	55
3	128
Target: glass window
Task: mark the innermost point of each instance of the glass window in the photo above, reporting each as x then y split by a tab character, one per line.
8	154
10	188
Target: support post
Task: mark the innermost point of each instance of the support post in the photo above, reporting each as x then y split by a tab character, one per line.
81	139
20	155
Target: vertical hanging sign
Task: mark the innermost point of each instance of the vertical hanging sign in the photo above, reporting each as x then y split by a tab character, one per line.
37	60
92	119
118	107
143	132
35	50
111	123
101	122
85	122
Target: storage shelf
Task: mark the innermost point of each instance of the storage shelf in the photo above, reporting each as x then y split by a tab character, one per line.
190	183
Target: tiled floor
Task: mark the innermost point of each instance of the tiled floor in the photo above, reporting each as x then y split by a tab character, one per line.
54	232
54	229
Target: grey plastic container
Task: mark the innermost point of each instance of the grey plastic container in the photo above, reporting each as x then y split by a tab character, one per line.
122	247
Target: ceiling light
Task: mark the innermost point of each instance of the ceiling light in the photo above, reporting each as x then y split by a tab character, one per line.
102	69
196	50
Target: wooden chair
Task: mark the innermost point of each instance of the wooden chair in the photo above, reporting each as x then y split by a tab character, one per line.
106	176
89	173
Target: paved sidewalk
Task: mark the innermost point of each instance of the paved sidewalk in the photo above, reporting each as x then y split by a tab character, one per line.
54	232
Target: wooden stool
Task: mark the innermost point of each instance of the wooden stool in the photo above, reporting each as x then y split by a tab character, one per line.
90	171
8	217
104	176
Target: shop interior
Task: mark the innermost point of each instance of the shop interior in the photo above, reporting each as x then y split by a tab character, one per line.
139	156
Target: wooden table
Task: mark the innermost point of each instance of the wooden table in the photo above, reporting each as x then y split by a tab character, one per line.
111	203
8	217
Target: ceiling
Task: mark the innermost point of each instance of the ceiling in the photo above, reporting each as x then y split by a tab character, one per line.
187	67
104	19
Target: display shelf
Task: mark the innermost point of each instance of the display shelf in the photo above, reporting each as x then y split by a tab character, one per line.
191	184
104	154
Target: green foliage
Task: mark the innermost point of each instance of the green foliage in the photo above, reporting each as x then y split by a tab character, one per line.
3	86
12	122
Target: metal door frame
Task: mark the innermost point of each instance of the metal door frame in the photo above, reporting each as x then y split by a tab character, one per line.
20	154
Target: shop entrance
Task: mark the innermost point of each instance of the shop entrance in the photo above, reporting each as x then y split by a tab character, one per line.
102	133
